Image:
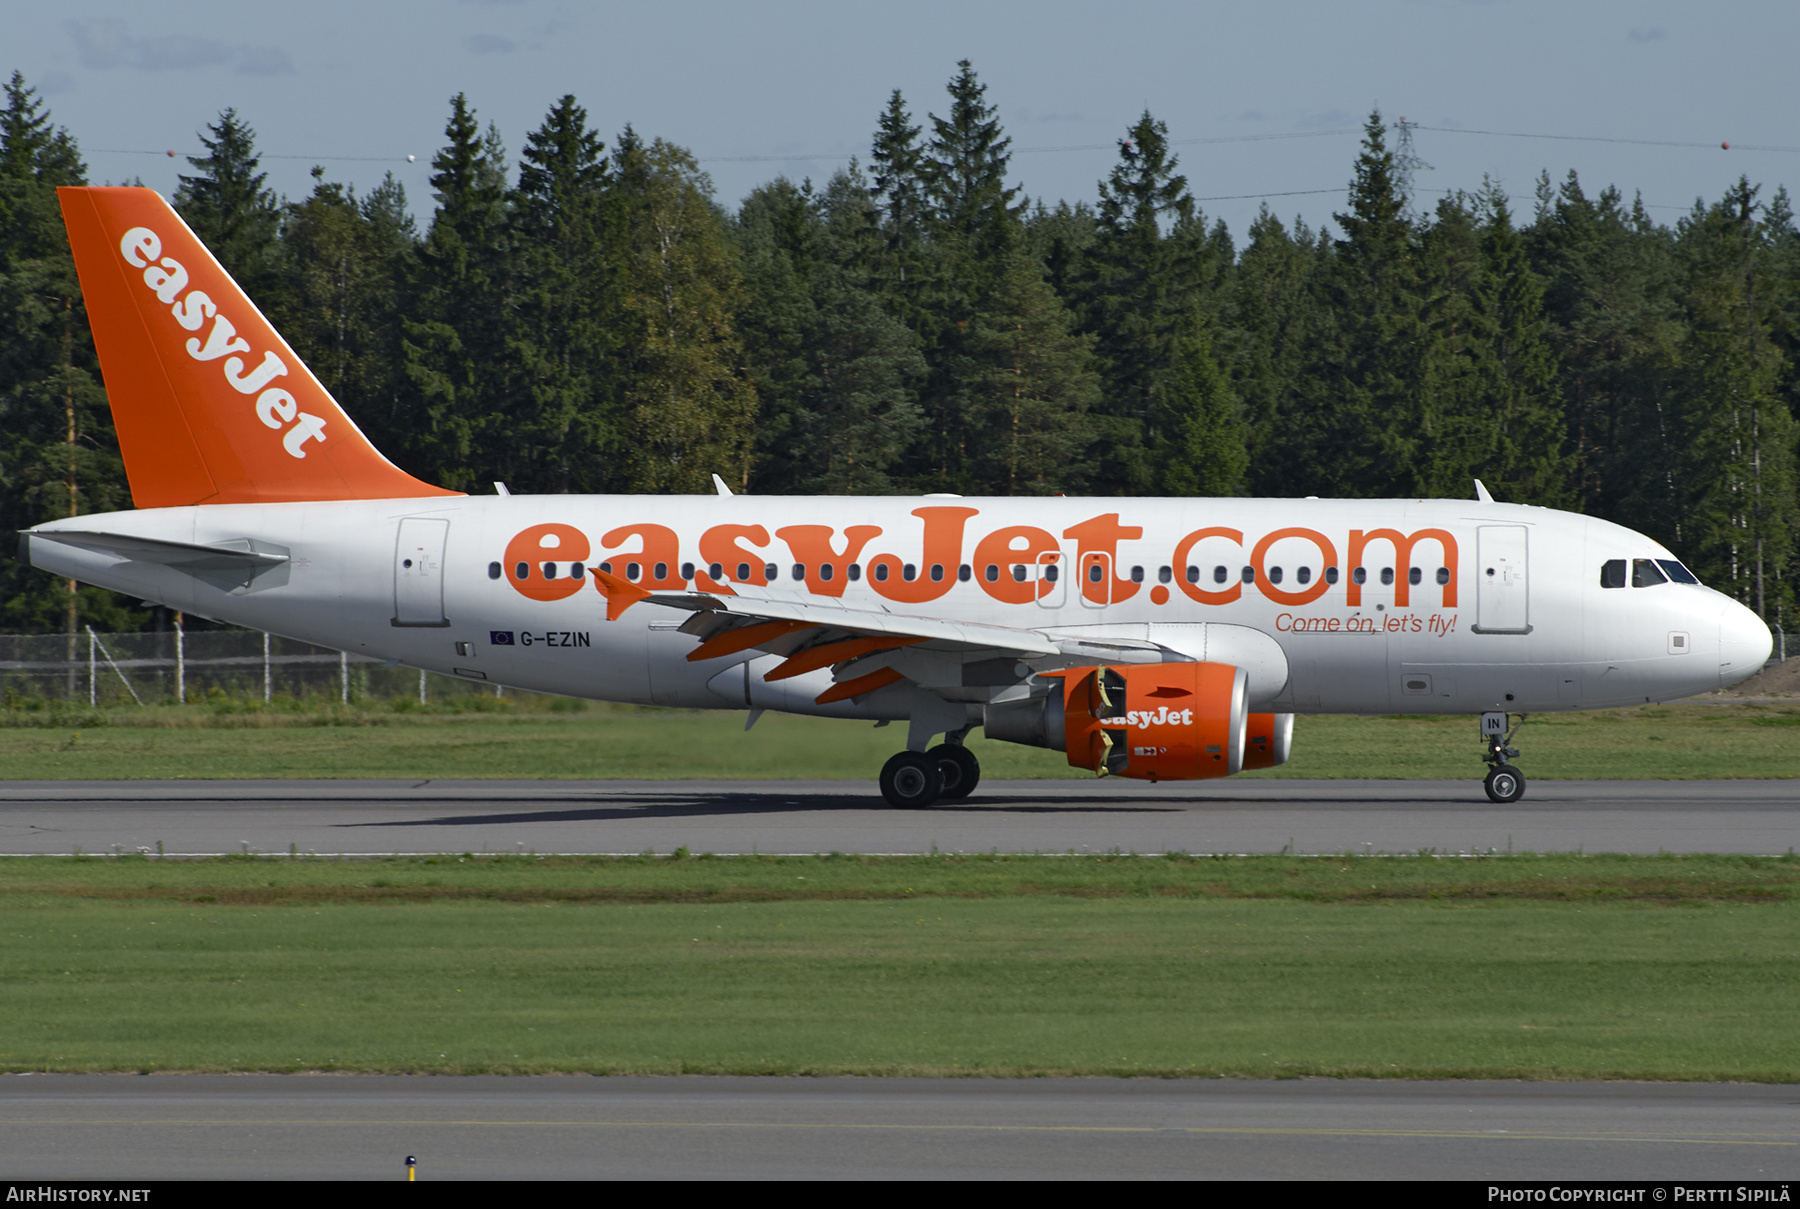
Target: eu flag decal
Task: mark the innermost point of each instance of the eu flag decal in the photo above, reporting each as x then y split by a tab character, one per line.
500	637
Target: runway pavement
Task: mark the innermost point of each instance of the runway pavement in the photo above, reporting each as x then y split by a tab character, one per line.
578	1127
1252	816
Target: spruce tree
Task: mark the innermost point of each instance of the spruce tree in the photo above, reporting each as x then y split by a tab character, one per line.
900	190
690	405
234	213
340	302
566	427
61	457
1274	303
1737	465
454	342
972	207
1138	296
1028	384
1365	405
1201	450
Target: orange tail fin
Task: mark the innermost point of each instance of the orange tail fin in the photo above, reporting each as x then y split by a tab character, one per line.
210	404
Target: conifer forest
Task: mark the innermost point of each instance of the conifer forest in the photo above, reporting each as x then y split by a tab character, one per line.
591	318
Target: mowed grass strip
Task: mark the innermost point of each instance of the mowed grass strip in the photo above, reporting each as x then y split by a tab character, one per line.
686	878
1533	967
234	740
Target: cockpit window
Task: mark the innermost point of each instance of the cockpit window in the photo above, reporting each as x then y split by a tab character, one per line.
1677	572
1612	573
1646	574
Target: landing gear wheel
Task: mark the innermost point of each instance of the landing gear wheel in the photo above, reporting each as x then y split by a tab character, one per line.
962	771
912	779
1505	784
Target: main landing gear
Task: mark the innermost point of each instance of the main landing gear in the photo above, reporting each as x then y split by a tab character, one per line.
1505	784
917	779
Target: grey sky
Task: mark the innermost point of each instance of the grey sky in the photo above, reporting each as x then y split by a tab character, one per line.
794	87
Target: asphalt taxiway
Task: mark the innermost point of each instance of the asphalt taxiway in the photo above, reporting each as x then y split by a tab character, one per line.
129	1127
378	817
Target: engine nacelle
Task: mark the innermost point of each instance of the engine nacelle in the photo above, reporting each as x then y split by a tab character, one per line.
1268	739
1154	721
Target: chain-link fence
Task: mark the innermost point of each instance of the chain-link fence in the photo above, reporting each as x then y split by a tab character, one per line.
242	665
239	665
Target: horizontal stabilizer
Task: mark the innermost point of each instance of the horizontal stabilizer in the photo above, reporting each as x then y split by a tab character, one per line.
230	566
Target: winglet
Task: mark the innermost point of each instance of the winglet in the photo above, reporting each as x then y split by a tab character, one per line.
1481	493
620	594
719	483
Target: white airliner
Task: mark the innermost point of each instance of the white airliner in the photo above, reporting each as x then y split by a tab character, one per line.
1163	639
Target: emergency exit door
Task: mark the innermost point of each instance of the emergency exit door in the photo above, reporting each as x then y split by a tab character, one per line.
419	571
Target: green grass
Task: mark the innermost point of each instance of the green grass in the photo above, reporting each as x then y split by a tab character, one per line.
484	737
1523	966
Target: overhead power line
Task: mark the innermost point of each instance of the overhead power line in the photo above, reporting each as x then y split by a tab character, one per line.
1722	145
262	155
1112	146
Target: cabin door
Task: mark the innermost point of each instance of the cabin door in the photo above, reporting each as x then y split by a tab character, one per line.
1502	591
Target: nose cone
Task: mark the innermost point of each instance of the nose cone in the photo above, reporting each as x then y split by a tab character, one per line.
1744	644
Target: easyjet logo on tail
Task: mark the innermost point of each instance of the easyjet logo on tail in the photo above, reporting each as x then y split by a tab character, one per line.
276	407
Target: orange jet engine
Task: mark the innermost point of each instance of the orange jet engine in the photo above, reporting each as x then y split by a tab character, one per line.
1155	721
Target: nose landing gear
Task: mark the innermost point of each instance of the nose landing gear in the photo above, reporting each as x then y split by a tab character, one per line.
1504	783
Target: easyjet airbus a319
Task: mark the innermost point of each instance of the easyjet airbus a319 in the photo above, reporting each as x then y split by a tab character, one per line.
1162	639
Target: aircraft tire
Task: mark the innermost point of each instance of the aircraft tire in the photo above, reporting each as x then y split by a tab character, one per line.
962	771
912	780
1505	784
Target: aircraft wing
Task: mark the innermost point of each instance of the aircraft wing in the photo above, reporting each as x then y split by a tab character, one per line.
814	632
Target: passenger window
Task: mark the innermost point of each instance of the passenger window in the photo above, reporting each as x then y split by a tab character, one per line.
1304	575
633	572
1646	574
578	571
549	570
1677	572
1095	573
1051	571
493	570
1249	575
881	572
1443	575
1163	574
1331	575
771	573
1612	573
1387	576
937	573
1193	574
687	570
1219	574
662	571
855	572
1415	576
964	574
743	575
715	570
1274	575
826	571
606	567
1360	575
908	572
1018	573
992	574
799	571
1137	575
